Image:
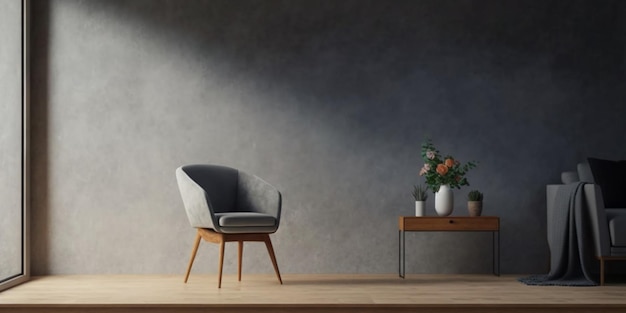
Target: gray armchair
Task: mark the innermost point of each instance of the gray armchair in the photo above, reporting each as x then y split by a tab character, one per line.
226	205
607	218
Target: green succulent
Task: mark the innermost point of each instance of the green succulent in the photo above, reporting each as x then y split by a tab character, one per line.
475	195
419	193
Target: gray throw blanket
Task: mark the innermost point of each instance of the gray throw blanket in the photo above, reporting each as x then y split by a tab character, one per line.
570	242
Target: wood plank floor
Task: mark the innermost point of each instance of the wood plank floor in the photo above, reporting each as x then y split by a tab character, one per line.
304	293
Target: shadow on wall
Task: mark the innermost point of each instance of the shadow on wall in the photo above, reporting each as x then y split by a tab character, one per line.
39	142
359	68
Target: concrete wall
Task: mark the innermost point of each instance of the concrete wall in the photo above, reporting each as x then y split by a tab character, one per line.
327	100
10	138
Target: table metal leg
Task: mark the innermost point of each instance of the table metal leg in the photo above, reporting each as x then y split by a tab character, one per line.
401	253
495	255
498	234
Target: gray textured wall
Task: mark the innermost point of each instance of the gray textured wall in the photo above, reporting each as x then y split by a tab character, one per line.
327	100
10	138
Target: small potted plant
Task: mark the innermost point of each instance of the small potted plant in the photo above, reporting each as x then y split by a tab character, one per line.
420	194
475	203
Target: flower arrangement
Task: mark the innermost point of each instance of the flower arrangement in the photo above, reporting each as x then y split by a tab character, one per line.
442	170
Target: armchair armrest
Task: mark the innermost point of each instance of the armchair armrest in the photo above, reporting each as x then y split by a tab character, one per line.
195	199
256	195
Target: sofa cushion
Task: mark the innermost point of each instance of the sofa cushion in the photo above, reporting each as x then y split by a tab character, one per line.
618	251
584	173
245	219
617	230
569	177
611	177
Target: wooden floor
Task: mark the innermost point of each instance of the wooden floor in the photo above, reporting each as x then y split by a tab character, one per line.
305	293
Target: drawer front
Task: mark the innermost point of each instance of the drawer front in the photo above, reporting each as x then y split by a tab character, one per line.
486	223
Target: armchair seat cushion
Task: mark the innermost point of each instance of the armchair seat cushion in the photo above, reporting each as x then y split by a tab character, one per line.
245	219
617	230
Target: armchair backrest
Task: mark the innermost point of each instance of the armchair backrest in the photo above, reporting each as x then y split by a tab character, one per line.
210	189
219	183
206	190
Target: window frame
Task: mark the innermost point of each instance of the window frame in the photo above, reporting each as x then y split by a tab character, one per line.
25	92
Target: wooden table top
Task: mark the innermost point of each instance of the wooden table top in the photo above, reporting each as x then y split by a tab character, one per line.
449	223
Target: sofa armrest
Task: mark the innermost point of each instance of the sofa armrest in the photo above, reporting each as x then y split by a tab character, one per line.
597	216
551	192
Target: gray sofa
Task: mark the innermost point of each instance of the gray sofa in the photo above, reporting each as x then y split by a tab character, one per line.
607	218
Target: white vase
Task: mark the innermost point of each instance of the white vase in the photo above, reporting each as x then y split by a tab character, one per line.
444	200
419	208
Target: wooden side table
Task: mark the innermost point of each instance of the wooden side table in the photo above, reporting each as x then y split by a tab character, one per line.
447	224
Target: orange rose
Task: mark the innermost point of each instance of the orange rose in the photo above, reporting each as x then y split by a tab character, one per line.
442	169
449	162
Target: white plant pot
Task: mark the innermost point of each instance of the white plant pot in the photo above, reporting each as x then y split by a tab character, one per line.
420	207
444	200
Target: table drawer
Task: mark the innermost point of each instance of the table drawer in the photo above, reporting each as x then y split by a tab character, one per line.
461	223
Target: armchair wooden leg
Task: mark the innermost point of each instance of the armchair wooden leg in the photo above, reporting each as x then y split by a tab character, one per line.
270	250
193	255
221	239
219	279
240	258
